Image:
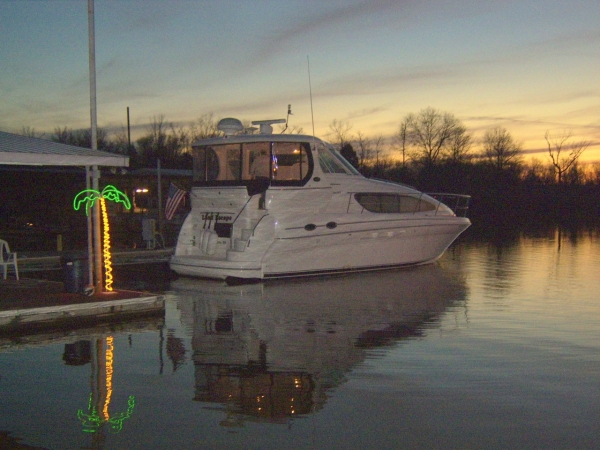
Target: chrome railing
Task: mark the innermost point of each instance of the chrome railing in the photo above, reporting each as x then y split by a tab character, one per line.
458	203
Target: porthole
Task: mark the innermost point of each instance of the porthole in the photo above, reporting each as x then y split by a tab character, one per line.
331	225
310	227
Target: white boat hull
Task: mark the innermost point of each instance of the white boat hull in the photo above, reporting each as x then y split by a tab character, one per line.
378	247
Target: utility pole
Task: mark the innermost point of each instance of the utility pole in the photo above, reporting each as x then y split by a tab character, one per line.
95	171
128	134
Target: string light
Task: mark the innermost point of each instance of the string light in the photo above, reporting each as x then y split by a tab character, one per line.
109	373
88	197
108	278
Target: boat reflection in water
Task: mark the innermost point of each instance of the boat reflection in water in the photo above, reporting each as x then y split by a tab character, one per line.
272	351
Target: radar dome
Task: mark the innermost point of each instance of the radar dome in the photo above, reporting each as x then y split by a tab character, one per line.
230	126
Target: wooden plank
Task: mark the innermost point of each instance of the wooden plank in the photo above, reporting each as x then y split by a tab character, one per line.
13	319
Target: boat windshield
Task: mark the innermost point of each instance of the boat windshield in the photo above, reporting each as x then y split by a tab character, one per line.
279	163
332	162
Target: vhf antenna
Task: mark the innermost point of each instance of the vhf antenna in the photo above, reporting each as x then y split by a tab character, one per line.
311	101
287	118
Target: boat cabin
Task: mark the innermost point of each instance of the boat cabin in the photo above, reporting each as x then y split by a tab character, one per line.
263	160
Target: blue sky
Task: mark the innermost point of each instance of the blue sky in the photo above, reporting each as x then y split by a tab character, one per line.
529	65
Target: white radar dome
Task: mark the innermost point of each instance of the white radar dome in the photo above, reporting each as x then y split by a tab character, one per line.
230	126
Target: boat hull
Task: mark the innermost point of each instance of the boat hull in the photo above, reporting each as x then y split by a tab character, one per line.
380	245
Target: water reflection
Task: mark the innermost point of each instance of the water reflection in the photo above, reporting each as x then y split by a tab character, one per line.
97	416
475	351
272	351
98	412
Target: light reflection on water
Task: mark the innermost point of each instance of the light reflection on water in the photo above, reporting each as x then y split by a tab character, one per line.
495	346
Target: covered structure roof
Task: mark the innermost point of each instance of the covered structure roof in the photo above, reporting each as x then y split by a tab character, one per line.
22	150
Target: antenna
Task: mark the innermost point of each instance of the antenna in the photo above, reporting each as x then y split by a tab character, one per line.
287	118
311	102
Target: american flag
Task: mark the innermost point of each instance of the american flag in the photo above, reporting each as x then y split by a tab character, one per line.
176	195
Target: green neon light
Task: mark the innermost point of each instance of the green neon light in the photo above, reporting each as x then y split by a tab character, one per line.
114	195
92	421
88	197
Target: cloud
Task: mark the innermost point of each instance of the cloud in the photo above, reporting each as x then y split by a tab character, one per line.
382	81
125	17
366	15
317	25
525	121
365	112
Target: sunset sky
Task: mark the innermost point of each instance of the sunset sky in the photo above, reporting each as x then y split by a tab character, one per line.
528	65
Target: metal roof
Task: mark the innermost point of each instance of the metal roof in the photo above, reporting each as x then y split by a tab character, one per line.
23	150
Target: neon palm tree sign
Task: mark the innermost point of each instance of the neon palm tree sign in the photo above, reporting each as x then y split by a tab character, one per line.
88	197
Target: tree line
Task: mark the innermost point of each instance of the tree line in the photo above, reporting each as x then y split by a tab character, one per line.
431	150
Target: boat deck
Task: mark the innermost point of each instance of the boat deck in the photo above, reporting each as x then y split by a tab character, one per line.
29	304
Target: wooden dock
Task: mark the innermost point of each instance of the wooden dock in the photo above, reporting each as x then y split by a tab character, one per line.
27	306
20	318
42	262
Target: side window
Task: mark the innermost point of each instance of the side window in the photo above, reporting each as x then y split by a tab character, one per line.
205	164
217	163
393	203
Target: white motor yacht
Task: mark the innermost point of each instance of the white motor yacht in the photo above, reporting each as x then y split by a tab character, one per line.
285	205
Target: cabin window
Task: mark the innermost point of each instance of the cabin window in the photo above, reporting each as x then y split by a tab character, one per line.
332	162
345	162
256	160
386	203
290	161
217	163
279	163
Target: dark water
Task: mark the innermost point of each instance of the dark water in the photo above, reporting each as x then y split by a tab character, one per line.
494	346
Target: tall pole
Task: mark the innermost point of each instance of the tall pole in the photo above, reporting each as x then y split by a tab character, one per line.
128	134
159	193
95	171
90	237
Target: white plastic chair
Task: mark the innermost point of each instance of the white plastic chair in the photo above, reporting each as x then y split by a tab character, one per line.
8	258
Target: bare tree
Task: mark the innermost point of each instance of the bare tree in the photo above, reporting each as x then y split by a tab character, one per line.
369	149
401	137
204	127
81	137
363	149
564	154
121	144
163	141
500	149
339	133
459	146
537	171
178	141
429	134
30	132
382	165
379	147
